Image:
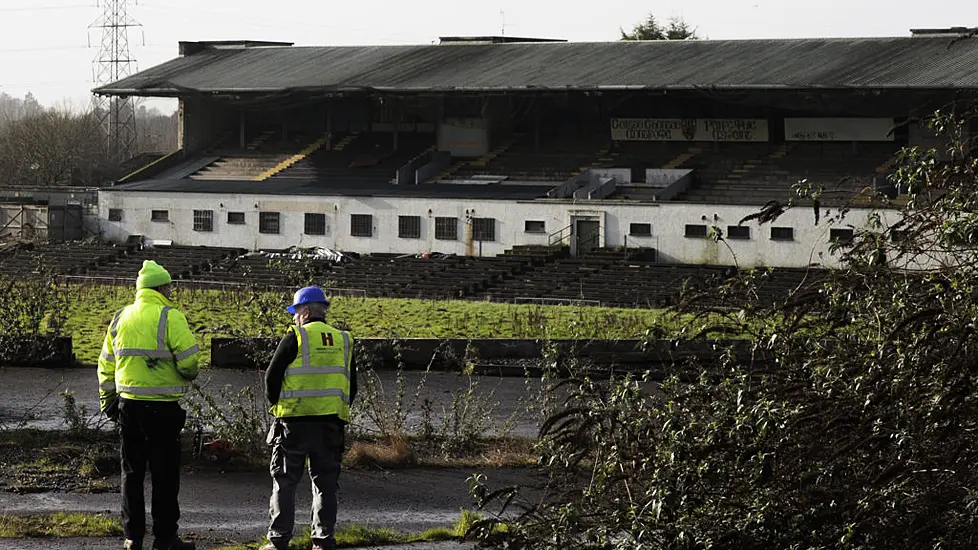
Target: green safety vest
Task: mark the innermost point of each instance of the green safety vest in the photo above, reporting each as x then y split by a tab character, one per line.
317	382
149	353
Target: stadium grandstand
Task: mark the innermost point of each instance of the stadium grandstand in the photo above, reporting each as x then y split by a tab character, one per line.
478	146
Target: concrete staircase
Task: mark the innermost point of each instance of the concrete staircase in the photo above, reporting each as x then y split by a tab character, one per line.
285	164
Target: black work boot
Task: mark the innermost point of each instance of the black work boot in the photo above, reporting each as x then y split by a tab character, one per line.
173	544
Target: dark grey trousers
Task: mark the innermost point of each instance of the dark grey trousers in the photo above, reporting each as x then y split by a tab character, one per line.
293	442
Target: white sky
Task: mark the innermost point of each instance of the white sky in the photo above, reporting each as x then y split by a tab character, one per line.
44	44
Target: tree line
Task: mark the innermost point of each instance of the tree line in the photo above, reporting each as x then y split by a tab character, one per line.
65	146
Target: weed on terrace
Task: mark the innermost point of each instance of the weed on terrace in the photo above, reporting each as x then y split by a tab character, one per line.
354	536
230	313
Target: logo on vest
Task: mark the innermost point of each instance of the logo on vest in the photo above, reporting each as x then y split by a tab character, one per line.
327	339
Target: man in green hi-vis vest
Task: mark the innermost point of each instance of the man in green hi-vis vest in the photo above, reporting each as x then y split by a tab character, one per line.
310	382
148	360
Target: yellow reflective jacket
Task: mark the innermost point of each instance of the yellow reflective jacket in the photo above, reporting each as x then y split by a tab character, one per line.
149	352
317	382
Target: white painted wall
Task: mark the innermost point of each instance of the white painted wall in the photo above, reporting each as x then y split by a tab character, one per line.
810	244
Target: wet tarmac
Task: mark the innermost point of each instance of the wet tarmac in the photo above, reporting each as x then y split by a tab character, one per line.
31	398
218	508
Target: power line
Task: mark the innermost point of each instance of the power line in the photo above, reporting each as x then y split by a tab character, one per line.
263	22
43	49
47	8
5	86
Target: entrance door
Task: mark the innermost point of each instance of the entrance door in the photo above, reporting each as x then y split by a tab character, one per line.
587	233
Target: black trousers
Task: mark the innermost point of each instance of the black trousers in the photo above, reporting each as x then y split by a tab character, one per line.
150	435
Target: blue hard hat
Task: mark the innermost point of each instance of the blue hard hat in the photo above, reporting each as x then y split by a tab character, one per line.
308	295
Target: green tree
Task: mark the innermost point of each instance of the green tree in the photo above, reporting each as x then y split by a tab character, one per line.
652	29
846	420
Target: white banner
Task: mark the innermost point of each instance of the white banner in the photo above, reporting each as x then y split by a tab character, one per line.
838	129
689	129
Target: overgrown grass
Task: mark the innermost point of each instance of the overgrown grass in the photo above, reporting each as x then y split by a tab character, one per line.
354	536
58	525
222	313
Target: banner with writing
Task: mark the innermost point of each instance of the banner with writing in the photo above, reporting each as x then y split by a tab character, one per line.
838	129
689	129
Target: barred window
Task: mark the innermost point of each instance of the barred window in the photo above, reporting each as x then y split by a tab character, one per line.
446	229
841	235
782	234
409	227
361	225
269	222
741	232
484	229
236	218
159	215
203	220
695	231
315	224
640	229
115	214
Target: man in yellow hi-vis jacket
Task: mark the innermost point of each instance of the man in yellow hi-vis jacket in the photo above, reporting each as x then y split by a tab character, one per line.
148	361
310	382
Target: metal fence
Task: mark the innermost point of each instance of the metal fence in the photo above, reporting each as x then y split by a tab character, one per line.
194	284
556	301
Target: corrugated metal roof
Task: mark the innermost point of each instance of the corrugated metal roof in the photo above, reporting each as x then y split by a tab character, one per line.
928	63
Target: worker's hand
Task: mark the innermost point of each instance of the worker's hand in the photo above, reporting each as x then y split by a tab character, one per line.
112	410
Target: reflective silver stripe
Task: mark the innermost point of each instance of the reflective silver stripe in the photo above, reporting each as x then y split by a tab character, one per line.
107	386
138	390
161	330
304	337
160	352
346	350
317	370
189	352
107	357
136	352
115	322
331	392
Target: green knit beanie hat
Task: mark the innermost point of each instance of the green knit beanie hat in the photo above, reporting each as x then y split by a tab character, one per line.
152	275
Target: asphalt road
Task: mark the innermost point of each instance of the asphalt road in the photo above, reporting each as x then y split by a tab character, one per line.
32	397
221	508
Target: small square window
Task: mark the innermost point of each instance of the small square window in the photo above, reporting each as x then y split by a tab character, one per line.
361	225
315	224
446	229
115	214
696	231
782	234
203	220
409	227
740	232
640	229
484	229
534	226
236	218
269	222
841	235
159	215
